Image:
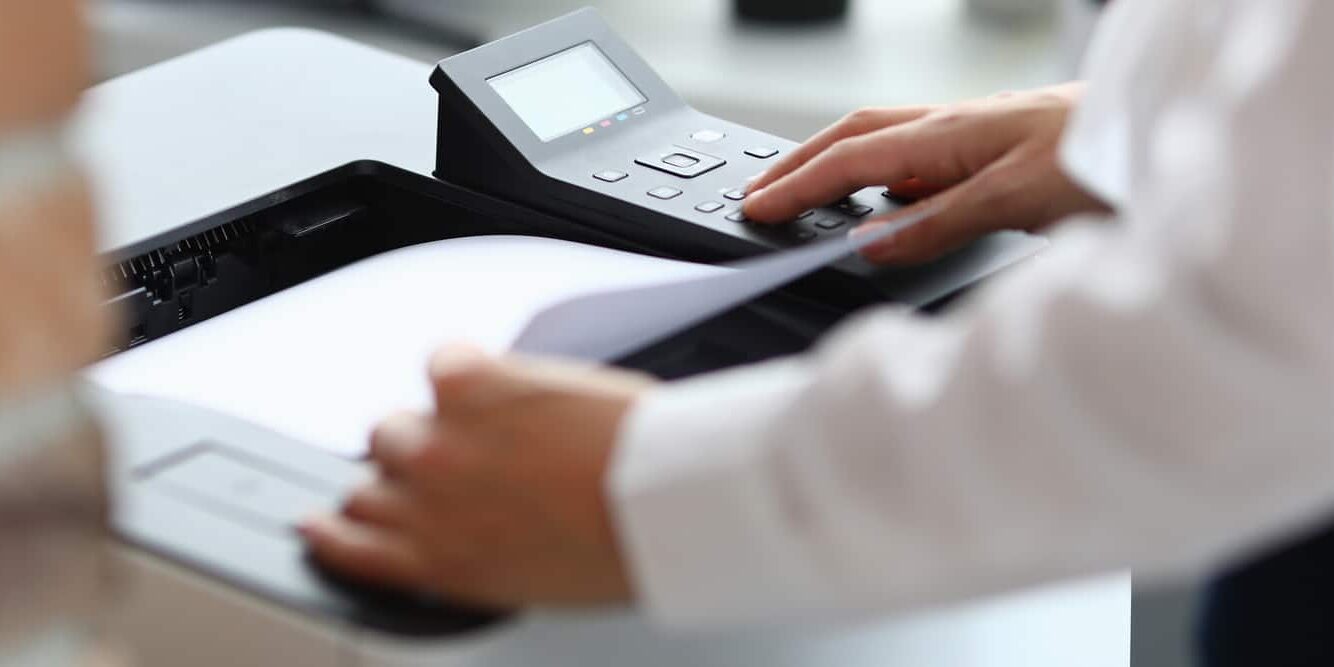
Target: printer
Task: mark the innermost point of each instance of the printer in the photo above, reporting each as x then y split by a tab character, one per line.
254	165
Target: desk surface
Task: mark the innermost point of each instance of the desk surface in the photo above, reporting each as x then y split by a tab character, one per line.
198	134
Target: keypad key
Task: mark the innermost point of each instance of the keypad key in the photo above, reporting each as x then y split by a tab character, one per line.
664	192
805	214
610	176
735	195
805	235
737	216
708	207
681	160
830	223
762	152
855	209
708	136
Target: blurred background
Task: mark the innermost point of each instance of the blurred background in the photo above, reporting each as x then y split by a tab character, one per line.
786	66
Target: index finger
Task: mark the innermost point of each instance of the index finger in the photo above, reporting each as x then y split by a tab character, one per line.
851	125
885	156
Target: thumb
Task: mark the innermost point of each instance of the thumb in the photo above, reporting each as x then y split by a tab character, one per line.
464	378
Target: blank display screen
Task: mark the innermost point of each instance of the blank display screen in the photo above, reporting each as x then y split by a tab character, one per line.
567	91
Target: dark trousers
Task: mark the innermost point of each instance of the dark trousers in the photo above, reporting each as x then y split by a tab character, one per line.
1276	611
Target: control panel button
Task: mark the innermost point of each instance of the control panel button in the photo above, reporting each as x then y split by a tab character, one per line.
737	216
708	136
762	152
610	176
708	207
805	235
805	214
854	209
681	160
735	195
664	192
829	223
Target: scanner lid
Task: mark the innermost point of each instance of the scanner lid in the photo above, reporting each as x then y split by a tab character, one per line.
201	134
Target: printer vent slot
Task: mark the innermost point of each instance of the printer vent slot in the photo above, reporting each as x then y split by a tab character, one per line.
164	289
180	267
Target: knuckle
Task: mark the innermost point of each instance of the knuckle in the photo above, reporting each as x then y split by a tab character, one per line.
951	116
860	118
397	437
362	500
842	150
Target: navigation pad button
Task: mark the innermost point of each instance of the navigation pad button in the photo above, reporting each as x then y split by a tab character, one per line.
610	176
679	161
708	136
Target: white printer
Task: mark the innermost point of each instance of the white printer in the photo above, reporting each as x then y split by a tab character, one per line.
258	163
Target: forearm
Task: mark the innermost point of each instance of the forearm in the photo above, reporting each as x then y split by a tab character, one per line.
53	496
43	62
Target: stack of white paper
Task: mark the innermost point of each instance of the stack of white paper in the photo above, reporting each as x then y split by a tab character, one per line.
327	359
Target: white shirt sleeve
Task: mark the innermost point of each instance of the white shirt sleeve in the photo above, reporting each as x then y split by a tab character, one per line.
1157	393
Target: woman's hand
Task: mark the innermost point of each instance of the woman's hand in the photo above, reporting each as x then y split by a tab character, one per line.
498	498
989	164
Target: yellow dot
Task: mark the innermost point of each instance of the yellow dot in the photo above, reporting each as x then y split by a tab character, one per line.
588	130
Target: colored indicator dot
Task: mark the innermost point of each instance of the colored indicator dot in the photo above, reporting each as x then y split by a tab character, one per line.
605	123
621	116
588	130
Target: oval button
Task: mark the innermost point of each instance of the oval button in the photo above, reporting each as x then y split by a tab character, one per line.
708	136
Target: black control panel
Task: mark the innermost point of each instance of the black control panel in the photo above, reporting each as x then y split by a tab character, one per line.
567	118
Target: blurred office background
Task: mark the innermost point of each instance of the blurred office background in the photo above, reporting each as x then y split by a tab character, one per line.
788	77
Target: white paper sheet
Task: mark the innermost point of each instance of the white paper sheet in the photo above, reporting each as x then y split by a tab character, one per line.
641	314
326	360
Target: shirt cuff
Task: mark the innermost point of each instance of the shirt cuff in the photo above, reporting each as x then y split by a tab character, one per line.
698	510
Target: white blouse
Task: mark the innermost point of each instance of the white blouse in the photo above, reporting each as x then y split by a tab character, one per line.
1152	393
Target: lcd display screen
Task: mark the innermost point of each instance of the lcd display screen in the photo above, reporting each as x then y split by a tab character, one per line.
566	92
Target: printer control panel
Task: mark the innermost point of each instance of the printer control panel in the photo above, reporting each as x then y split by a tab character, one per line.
566	118
571	117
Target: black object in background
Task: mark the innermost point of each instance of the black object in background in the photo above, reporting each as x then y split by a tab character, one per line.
791	11
1275	611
